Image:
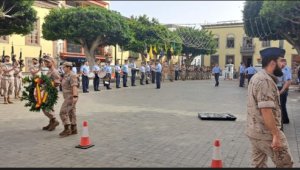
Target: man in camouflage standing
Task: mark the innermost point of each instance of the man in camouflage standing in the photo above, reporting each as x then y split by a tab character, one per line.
54	75
264	114
68	108
8	79
18	80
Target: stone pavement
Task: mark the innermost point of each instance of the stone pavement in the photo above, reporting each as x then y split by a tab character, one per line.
141	127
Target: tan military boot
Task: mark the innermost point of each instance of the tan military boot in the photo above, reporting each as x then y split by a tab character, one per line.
47	127
5	100
8	100
53	124
74	129
67	131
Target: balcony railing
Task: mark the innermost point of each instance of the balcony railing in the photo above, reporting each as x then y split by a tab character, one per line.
247	48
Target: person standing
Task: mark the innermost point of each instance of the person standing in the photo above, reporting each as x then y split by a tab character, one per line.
53	74
250	71
18	80
118	74
177	68
96	70
142	72
152	71
264	114
283	84
1	72
158	70
216	72
68	108
8	79
125	73
107	78
242	75
171	71
85	71
74	70
34	68
148	72
132	65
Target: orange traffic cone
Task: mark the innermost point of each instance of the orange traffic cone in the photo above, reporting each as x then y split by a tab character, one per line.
216	160
85	139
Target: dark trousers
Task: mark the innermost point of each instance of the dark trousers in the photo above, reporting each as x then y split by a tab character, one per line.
142	78
249	76
153	76
158	78
85	83
96	82
176	75
242	79
148	77
125	79
217	79
283	100
107	79
133	72
118	79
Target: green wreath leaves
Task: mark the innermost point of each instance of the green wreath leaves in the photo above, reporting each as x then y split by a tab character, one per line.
47	85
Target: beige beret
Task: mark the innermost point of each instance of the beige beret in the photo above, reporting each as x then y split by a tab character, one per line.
68	64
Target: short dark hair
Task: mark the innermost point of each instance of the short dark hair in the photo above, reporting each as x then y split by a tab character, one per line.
266	60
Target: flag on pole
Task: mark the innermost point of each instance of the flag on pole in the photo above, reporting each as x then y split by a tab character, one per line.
151	52
155	50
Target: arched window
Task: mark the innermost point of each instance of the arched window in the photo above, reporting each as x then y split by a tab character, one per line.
216	38
230	41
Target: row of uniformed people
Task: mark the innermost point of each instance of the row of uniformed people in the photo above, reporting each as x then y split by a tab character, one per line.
105	73
10	79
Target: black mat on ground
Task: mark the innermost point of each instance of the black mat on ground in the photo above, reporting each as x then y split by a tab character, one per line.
216	116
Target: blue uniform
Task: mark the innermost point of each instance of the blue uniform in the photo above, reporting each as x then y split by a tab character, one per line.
250	72
117	75
85	70
216	71
242	75
133	73
125	74
106	82
158	69
287	76
96	80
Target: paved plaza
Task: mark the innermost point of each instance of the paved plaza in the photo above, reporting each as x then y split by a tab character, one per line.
141	127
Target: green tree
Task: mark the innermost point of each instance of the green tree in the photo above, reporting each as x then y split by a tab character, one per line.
16	17
273	20
145	34
90	27
196	42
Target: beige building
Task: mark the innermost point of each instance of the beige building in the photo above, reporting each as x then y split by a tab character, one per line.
234	46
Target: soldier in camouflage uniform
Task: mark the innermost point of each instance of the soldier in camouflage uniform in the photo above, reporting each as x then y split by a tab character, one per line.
183	72
8	79
264	114
54	75
172	71
18	80
68	108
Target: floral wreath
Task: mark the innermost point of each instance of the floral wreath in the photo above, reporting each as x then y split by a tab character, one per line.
40	93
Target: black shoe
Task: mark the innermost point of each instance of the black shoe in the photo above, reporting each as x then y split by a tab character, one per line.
125	86
134	85
286	122
157	88
85	92
109	88
118	87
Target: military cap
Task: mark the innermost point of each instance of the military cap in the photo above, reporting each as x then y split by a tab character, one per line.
48	58
272	52
69	64
34	59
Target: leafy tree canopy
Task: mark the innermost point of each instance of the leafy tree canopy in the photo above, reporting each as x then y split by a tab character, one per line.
16	17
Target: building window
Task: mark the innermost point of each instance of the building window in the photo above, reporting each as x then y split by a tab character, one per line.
34	37
214	59
281	42
216	38
4	39
73	48
230	41
247	42
229	59
266	43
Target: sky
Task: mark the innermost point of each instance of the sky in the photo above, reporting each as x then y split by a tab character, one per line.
182	12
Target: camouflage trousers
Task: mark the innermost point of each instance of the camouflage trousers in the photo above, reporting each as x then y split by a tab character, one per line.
18	84
7	86
68	111
261	150
49	114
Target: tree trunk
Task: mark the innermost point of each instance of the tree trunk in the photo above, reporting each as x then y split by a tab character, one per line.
295	44
89	50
